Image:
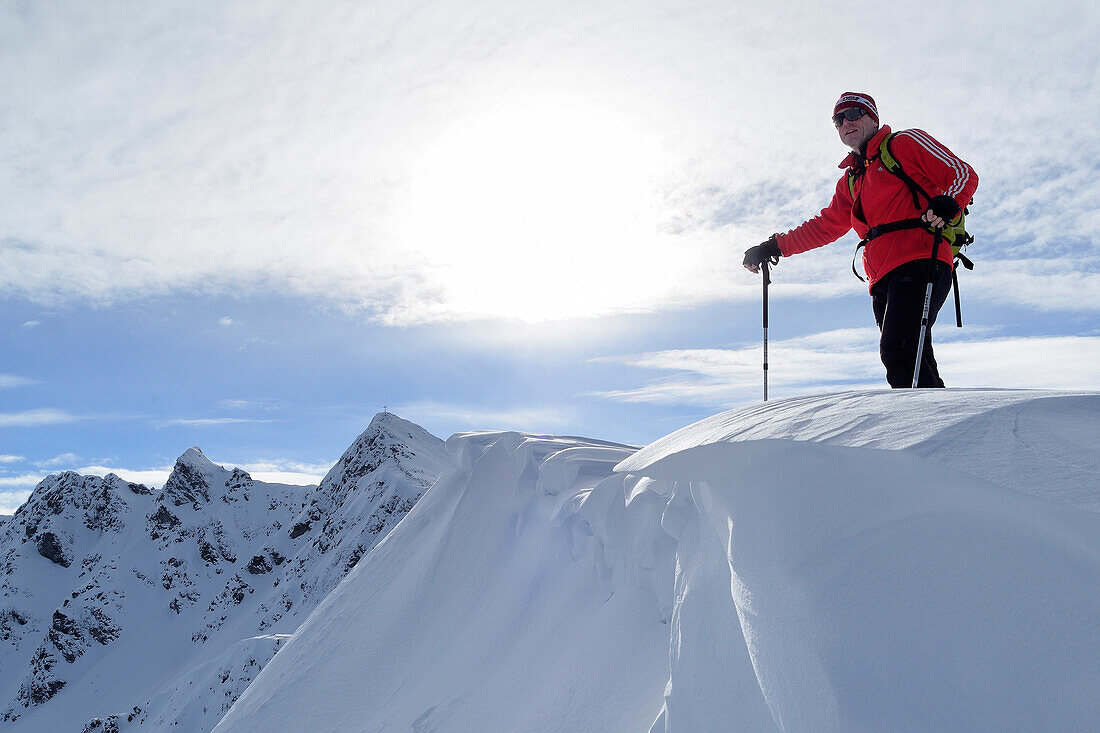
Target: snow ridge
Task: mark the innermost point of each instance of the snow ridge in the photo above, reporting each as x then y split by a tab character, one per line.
832	563
524	565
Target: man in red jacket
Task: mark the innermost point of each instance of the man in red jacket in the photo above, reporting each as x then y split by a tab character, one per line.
896	259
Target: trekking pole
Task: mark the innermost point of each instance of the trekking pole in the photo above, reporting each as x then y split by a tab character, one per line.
767	280
927	302
955	288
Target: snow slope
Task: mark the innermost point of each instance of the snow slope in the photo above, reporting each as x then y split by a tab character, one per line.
910	560
494	605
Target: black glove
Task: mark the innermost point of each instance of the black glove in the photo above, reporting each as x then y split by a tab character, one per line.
767	251
944	207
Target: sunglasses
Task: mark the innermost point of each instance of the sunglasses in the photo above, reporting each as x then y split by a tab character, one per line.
852	113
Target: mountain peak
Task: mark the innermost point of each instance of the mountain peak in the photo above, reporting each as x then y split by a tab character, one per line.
194	455
192	478
388	438
393	423
390	445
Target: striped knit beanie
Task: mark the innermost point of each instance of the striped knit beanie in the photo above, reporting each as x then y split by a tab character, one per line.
856	99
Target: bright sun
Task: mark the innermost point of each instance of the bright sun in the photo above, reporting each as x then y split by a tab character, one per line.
542	210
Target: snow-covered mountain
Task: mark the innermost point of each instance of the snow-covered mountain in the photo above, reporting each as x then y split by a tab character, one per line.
887	560
124	607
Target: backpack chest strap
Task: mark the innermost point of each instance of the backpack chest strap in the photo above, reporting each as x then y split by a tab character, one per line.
894	226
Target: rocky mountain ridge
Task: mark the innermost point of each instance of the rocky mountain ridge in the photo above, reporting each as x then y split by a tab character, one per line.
202	580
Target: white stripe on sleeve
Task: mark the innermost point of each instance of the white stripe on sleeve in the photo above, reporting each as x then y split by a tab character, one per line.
962	171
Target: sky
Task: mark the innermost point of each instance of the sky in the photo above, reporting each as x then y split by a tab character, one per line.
251	226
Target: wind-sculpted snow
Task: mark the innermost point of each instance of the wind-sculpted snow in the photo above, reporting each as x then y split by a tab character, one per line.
870	561
896	587
523	592
876	590
1036	442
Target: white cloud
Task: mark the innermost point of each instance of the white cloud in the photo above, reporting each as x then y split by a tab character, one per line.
11	380
25	481
294	478
62	461
11	459
206	421
1049	284
272	471
841	359
14	490
239	404
35	418
225	321
848	359
530	419
425	169
32	324
279	471
1055	362
12	500
283	465
152	477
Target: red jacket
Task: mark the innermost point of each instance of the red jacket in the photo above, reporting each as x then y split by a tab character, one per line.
881	197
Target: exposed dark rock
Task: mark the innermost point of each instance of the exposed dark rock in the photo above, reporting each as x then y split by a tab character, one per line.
207	552
65	636
10	618
102	725
92	610
186	485
103	630
164	520
103	510
51	548
40	686
354	558
56	499
89	562
237	486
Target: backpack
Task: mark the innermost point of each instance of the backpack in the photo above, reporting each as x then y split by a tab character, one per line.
954	232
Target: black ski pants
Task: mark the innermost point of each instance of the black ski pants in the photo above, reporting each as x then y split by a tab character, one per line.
898	300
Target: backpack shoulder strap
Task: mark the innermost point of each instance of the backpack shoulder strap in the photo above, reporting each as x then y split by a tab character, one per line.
893	165
855	170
